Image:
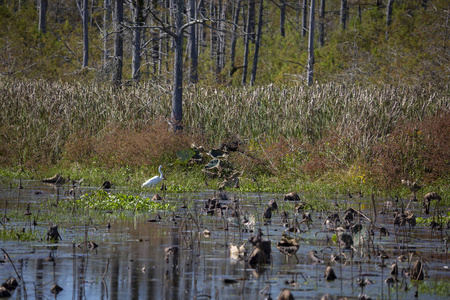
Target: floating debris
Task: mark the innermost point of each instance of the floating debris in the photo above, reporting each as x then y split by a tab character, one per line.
391	279
56	289
238	253
231	181
363	282
312	256
268	213
329	274
156	197
229	281
106	185
285	295
288	245
345	240
427	200
53	234
261	251
57	179
171	252
292	196
273	204
417	271
394	268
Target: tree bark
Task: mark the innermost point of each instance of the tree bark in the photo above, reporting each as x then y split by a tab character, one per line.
85	34
118	44
246	44
304	14
322	23
193	43
106	20
343	14
311	45
282	18
389	16
251	19
221	36
234	37
177	93
137	6
258	39
43	5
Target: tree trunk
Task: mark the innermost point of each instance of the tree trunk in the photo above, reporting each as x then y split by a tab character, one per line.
137	6
193	43
234	37
258	39
106	20
282	18
251	19
322	23
388	16
311	45
246	44
201	28
304	14
177	93
43	4
343	14
118	44
213	36
221	36
85	34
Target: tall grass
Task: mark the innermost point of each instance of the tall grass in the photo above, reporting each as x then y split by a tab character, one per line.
39	119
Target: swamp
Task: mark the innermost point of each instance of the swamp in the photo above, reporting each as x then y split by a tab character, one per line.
219	244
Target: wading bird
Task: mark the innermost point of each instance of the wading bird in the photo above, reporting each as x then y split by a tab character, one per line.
155	179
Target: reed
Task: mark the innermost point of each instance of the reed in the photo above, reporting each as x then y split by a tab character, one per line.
39	118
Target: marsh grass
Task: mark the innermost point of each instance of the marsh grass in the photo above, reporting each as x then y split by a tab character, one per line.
294	133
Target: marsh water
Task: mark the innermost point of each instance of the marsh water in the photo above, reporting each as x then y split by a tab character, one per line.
130	261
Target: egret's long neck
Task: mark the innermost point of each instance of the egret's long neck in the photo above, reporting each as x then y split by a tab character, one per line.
160	172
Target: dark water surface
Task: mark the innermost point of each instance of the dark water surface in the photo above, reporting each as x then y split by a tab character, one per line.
129	262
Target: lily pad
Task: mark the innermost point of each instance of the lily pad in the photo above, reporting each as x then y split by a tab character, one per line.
217	153
184	156
215	163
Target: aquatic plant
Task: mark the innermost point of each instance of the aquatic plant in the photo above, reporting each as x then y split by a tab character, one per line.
102	200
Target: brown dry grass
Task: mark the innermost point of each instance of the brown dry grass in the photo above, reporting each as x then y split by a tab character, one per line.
119	146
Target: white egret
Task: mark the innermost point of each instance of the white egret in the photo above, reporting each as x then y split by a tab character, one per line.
155	179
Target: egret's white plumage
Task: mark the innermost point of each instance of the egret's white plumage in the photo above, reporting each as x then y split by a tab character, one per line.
155	179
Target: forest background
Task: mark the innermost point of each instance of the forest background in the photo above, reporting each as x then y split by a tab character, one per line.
353	96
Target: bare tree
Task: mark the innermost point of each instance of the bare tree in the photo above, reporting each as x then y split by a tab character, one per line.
43	5
237	9
139	20
322	23
343	14
106	22
304	18
118	44
85	34
246	42
177	93
193	78
389	16
282	17
257	43
311	45
251	19
176	32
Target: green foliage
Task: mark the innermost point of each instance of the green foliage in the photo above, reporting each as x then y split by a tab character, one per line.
101	200
20	234
361	53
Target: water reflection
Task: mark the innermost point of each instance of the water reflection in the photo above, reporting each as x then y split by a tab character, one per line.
130	260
